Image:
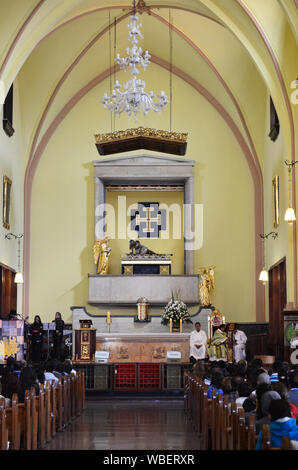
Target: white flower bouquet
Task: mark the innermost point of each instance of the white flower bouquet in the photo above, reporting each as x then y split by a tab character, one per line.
177	310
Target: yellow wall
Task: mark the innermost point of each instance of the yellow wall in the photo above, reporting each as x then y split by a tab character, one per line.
276	249
12	165
62	227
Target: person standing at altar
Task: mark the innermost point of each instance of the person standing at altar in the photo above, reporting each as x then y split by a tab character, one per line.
198	341
239	343
58	336
36	333
217	349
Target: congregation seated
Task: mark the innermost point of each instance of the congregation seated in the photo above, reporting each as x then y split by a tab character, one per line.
253	388
281	424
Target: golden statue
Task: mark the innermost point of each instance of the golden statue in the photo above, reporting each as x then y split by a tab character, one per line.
101	253
206	283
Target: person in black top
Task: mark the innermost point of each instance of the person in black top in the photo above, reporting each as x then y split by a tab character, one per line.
36	332
58	336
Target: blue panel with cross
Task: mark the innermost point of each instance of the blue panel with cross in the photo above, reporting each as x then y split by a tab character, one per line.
148	220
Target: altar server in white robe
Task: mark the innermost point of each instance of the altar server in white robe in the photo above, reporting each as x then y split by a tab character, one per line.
240	339
198	341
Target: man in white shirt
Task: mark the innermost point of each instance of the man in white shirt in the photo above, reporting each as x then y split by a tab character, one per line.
240	339
198	341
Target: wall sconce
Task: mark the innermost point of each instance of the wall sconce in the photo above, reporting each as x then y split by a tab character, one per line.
264	273
19	276
290	216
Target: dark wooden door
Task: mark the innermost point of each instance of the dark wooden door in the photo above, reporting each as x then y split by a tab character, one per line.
277	303
8	291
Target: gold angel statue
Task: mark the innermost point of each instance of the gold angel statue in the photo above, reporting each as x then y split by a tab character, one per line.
101	253
206	283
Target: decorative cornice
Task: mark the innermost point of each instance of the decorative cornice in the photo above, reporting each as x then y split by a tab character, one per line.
141	132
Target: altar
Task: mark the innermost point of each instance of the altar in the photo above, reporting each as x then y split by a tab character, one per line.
152	347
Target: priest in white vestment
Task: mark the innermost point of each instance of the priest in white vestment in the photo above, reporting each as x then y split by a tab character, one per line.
198	341
239	343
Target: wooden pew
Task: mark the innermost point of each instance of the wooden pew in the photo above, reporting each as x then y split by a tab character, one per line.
32	424
53	397
3	426
48	412
59	400
12	423
34	419
220	425
24	437
285	442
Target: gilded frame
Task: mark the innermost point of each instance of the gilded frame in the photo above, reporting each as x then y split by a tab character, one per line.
275	201
6	202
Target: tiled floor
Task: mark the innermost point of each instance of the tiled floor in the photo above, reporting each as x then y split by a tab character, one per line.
118	424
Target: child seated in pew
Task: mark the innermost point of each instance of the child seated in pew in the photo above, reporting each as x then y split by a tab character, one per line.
281	424
216	382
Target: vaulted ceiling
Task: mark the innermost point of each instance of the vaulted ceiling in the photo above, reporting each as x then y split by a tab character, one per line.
234	50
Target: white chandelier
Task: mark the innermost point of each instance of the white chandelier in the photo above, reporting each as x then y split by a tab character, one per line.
133	98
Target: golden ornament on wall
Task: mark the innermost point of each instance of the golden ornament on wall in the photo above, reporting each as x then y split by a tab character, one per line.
101	253
206	284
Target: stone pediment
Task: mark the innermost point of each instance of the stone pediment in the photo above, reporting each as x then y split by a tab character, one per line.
143	160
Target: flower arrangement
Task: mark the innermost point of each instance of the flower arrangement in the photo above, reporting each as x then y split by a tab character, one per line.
177	310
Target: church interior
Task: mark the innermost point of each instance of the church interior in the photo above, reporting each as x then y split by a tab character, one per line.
115	211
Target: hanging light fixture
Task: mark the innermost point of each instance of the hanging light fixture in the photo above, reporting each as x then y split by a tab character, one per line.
19	276
132	97
264	273
290	216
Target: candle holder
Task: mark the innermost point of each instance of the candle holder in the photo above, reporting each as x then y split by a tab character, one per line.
109	321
